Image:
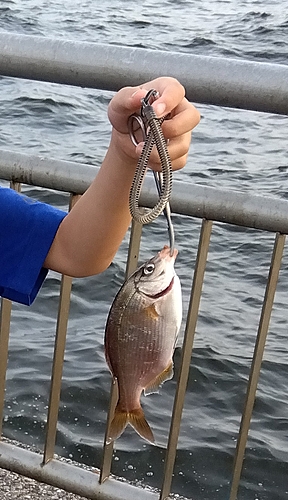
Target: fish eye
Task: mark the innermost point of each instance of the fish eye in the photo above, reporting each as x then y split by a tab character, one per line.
148	269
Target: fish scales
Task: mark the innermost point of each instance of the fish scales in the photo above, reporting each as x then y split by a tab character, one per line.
140	336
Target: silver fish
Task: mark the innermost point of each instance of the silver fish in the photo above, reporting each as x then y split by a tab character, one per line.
140	337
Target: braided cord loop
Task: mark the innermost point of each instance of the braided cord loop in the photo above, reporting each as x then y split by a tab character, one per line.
154	136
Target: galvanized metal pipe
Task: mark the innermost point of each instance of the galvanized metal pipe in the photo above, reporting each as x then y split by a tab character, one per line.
108	447
5	316
131	265
190	329
234	207
58	360
35	170
257	361
5	319
69	477
221	81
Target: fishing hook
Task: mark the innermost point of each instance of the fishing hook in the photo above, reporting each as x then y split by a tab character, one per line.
150	128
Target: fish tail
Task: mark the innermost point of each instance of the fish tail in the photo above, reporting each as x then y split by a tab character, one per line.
139	423
118	424
135	418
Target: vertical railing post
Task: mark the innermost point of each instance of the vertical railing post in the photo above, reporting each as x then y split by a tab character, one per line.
191	322
256	362
132	261
57	369
5	316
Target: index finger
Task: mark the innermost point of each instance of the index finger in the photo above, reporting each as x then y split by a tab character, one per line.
171	94
170	91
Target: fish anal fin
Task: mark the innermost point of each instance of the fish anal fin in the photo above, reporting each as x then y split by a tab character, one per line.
118	425
154	385
138	421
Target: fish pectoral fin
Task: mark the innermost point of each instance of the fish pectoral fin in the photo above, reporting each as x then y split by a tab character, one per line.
151	311
154	386
135	418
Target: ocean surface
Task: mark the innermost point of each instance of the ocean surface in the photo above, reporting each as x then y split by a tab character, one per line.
231	149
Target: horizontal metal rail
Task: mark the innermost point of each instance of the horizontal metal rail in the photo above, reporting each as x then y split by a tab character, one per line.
68	477
234	207
221	81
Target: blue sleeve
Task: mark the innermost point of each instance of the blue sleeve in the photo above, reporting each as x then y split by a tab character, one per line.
27	229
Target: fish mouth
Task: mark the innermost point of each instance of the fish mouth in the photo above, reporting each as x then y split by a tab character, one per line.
166	253
162	293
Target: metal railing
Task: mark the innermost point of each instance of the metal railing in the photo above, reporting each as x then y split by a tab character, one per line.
210	80
63	62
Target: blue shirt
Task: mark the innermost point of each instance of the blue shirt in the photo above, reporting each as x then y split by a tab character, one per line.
27	230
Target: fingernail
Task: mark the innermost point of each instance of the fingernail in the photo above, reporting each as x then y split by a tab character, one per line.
159	108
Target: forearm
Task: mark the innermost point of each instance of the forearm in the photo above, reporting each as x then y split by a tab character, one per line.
90	235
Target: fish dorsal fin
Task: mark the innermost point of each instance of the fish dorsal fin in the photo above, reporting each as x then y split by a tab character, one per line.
154	385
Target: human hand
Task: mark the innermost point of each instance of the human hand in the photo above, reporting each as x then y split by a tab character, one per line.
183	117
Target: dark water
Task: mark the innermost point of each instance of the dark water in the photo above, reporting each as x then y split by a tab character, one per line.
232	149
